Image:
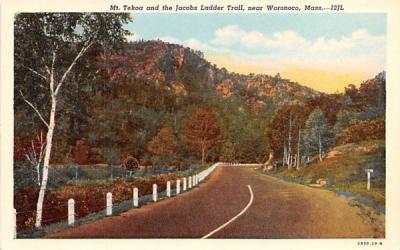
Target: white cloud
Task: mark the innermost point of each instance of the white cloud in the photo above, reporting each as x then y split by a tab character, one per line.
233	35
285	42
253	38
359	39
284	48
227	35
231	45
286	39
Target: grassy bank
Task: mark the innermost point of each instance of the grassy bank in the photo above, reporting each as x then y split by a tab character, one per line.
343	170
89	194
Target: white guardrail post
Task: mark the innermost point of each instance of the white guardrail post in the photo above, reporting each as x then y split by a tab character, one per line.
168	189
135	197
71	212
184	184
155	192
109	204
178	186
190	182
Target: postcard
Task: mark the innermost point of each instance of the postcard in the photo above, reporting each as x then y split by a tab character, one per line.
201	124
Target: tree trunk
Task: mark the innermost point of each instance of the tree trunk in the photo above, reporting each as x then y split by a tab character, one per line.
298	151
284	153
319	146
54	89
38	173
203	155
46	162
289	143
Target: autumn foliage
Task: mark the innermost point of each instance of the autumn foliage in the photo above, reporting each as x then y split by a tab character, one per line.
363	130
88	199
164	143
202	131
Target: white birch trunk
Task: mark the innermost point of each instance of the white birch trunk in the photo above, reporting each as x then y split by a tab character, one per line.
284	153
289	161
298	160
46	162
319	146
54	87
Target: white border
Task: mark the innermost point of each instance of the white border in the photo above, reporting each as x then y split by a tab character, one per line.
392	240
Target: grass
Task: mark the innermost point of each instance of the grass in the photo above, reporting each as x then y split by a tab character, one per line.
119	207
344	171
72	174
62	225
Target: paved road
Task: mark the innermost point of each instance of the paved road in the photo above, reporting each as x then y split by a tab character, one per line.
270	208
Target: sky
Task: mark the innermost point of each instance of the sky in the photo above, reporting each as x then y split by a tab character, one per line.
323	51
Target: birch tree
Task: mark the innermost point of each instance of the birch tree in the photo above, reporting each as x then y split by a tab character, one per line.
34	155
47	47
318	137
285	137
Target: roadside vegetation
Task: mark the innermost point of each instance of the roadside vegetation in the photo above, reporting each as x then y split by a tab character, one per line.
343	170
331	141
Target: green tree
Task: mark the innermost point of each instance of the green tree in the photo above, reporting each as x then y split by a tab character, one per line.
112	155
165	143
284	134
48	46
202	131
228	152
343	120
318	137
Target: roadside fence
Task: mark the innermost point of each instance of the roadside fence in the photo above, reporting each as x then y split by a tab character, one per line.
70	217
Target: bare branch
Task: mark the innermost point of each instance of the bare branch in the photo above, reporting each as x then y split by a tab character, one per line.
35	72
53	61
29	159
33	149
83	50
42	144
34	108
45	65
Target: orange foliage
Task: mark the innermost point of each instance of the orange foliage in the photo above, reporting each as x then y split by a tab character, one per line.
81	152
88	199
202	131
363	130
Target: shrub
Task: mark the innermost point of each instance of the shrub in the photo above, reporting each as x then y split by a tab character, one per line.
88	199
363	130
131	163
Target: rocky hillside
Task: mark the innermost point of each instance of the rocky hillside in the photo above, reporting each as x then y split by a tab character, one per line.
177	67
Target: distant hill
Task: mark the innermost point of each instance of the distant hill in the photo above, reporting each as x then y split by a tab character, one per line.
116	103
174	66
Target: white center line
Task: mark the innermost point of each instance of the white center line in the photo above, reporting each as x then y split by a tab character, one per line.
234	218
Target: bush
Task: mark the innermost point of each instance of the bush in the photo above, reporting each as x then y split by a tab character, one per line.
88	199
363	130
131	163
24	176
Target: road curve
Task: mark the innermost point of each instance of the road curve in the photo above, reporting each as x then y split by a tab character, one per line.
279	210
234	218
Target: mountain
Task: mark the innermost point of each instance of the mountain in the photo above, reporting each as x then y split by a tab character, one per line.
172	66
116	103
